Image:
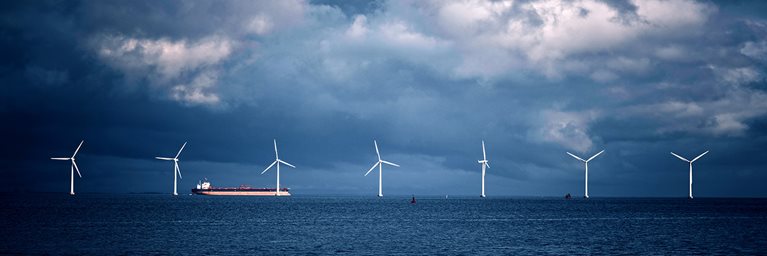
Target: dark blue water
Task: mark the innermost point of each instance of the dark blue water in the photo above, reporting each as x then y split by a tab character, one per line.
161	224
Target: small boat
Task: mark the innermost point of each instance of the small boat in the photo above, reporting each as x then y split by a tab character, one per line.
412	201
568	196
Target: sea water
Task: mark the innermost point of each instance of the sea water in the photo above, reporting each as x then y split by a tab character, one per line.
367	225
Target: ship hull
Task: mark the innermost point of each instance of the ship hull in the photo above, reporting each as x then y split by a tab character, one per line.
210	192
205	188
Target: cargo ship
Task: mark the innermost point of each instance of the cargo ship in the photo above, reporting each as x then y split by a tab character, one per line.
205	188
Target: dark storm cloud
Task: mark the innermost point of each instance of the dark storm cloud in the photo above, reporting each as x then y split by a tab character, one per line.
428	80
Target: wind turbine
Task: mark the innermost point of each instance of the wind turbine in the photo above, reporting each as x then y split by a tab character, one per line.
277	161
693	160
586	162
176	170
72	168
380	168
484	164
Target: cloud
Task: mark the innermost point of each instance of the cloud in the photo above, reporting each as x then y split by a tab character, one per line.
671	53
603	76
726	116
195	92
168	58
187	67
743	75
461	19
568	129
673	16
755	50
358	29
496	38
483	40
332	59
260	25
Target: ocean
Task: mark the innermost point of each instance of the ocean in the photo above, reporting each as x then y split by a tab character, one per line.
105	224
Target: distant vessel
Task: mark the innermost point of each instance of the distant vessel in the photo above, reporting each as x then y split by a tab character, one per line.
243	190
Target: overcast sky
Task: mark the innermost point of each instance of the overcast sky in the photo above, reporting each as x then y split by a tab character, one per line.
428	79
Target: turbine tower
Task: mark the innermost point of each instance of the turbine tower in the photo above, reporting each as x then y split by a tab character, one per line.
176	170
484	163
72	168
380	168
689	161
586	162
277	161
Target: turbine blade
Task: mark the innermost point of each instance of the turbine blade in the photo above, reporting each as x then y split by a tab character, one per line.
576	157
377	153
78	148
286	163
389	163
276	155
270	166
178	170
61	158
693	160
76	169
179	151
371	168
600	152
683	159
484	156
164	158
487	164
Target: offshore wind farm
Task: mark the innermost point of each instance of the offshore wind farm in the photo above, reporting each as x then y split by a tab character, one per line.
244	127
206	189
